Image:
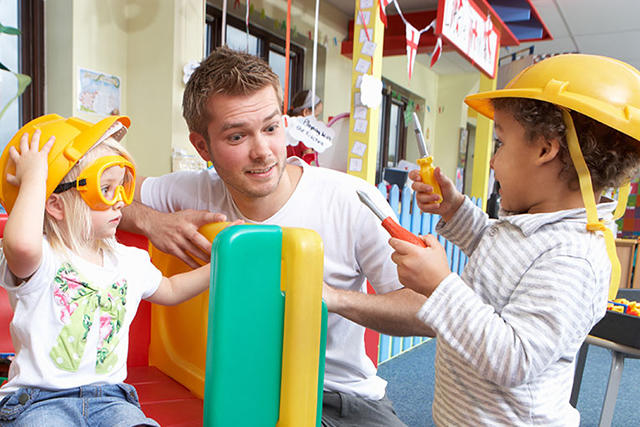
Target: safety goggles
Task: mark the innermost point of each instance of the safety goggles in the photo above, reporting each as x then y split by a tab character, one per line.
101	191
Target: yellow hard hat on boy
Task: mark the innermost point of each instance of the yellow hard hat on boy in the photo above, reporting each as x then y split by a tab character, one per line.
602	88
74	137
605	89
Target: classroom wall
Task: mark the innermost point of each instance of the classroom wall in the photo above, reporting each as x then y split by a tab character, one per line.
451	115
424	83
147	44
80	34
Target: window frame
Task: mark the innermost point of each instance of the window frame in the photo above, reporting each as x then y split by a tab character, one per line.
213	22
32	58
385	117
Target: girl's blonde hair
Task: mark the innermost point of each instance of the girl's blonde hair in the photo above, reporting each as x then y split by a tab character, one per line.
75	231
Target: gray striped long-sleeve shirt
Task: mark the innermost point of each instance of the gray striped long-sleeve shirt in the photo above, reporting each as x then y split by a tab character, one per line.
509	328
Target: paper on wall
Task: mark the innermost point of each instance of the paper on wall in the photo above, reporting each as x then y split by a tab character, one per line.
366	15
368	48
360	112
359	148
360	126
355	165
366	4
362	66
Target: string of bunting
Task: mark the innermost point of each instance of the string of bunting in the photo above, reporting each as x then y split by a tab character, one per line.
412	36
280	25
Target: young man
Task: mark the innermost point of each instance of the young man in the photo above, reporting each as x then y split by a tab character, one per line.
232	105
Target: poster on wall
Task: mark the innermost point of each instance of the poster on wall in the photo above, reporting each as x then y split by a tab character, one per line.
98	93
471	32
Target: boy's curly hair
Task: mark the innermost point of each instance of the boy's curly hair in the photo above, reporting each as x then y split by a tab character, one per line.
611	156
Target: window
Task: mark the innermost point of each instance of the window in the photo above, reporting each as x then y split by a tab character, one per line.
392	131
23	54
261	43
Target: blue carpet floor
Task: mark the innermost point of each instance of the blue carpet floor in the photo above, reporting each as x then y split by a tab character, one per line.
410	388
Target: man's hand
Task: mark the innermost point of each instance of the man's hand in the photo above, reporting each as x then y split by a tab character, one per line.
177	234
174	233
420	269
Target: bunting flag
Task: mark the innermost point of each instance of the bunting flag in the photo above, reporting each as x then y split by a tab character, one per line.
383	14
437	50
413	37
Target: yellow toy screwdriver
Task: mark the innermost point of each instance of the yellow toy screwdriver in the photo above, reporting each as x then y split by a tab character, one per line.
425	161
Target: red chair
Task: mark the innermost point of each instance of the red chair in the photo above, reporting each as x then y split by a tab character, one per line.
162	398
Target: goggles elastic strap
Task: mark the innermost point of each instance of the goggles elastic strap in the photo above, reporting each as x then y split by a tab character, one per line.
61	188
586	190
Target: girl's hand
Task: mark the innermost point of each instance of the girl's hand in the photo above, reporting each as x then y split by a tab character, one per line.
31	163
428	200
420	269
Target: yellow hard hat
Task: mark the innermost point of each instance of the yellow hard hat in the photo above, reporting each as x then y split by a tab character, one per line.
605	89
74	137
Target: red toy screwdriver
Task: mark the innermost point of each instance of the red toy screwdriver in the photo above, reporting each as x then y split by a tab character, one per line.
395	229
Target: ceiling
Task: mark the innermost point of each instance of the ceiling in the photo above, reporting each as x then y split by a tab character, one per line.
610	28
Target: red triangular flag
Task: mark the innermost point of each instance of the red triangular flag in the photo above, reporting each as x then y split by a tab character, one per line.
437	50
413	37
383	15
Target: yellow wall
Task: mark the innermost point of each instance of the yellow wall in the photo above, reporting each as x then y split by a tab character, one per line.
451	115
147	44
424	83
158	48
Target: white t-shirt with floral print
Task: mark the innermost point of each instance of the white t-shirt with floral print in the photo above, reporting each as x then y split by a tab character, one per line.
71	318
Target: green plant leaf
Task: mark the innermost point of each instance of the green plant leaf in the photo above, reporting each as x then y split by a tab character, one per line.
2	67
23	82
9	30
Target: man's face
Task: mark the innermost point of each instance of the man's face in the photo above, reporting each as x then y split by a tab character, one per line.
247	142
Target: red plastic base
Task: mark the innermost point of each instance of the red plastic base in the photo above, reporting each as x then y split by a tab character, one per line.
165	400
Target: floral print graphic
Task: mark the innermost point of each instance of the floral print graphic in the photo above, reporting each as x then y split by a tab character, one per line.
79	302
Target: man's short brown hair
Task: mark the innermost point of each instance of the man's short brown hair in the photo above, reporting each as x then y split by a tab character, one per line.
227	72
611	156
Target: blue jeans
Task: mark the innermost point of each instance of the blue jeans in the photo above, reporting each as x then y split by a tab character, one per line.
101	405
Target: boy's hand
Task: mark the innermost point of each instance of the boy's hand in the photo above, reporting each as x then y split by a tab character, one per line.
31	163
420	269
428	200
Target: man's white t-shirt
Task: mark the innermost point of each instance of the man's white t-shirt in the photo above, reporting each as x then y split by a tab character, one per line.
71	318
355	249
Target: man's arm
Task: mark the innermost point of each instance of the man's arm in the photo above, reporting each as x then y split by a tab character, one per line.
175	233
393	313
